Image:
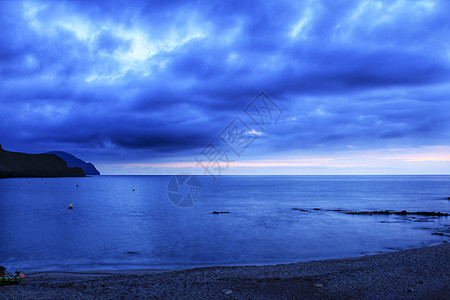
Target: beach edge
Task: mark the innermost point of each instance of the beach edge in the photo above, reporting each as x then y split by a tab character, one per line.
422	272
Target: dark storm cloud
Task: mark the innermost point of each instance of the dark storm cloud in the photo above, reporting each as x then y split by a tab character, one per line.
168	76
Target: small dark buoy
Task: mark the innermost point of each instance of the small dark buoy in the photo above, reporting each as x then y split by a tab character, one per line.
45	182
70	206
77	185
133	190
448	198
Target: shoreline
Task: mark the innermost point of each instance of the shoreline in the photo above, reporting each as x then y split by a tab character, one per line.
167	268
413	273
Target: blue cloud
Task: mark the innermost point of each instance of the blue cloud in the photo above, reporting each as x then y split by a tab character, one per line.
166	77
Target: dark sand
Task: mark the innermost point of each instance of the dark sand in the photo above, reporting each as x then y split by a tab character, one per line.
422	273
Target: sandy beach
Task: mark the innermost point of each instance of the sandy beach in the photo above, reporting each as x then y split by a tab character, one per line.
422	273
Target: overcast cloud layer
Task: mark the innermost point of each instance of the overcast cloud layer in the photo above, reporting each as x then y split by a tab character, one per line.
150	82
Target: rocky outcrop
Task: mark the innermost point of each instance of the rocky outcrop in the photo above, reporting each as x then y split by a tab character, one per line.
16	164
399	213
73	161
384	212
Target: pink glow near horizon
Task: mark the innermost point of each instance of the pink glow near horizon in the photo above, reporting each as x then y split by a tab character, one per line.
342	160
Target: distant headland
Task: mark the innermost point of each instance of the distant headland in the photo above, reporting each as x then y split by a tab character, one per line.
73	161
16	164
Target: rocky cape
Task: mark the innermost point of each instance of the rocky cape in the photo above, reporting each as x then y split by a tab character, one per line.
73	161
16	164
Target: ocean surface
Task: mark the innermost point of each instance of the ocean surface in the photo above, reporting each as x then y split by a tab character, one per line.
113	227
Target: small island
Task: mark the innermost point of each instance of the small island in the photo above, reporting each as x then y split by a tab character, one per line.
16	164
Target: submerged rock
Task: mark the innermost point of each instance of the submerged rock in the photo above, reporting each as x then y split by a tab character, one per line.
399	213
422	220
299	209
438	233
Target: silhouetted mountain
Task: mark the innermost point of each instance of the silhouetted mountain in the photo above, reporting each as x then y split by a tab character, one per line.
16	164
73	161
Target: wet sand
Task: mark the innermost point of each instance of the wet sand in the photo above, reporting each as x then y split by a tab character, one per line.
422	273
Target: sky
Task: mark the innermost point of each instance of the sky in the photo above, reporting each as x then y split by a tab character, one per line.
169	87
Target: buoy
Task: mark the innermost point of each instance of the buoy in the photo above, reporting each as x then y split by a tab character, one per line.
77	185
70	206
133	190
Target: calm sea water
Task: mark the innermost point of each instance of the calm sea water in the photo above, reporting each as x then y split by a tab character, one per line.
113	227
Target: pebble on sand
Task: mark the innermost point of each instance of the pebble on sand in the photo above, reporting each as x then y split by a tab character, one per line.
318	285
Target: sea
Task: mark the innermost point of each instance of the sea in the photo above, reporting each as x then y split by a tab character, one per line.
165	222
